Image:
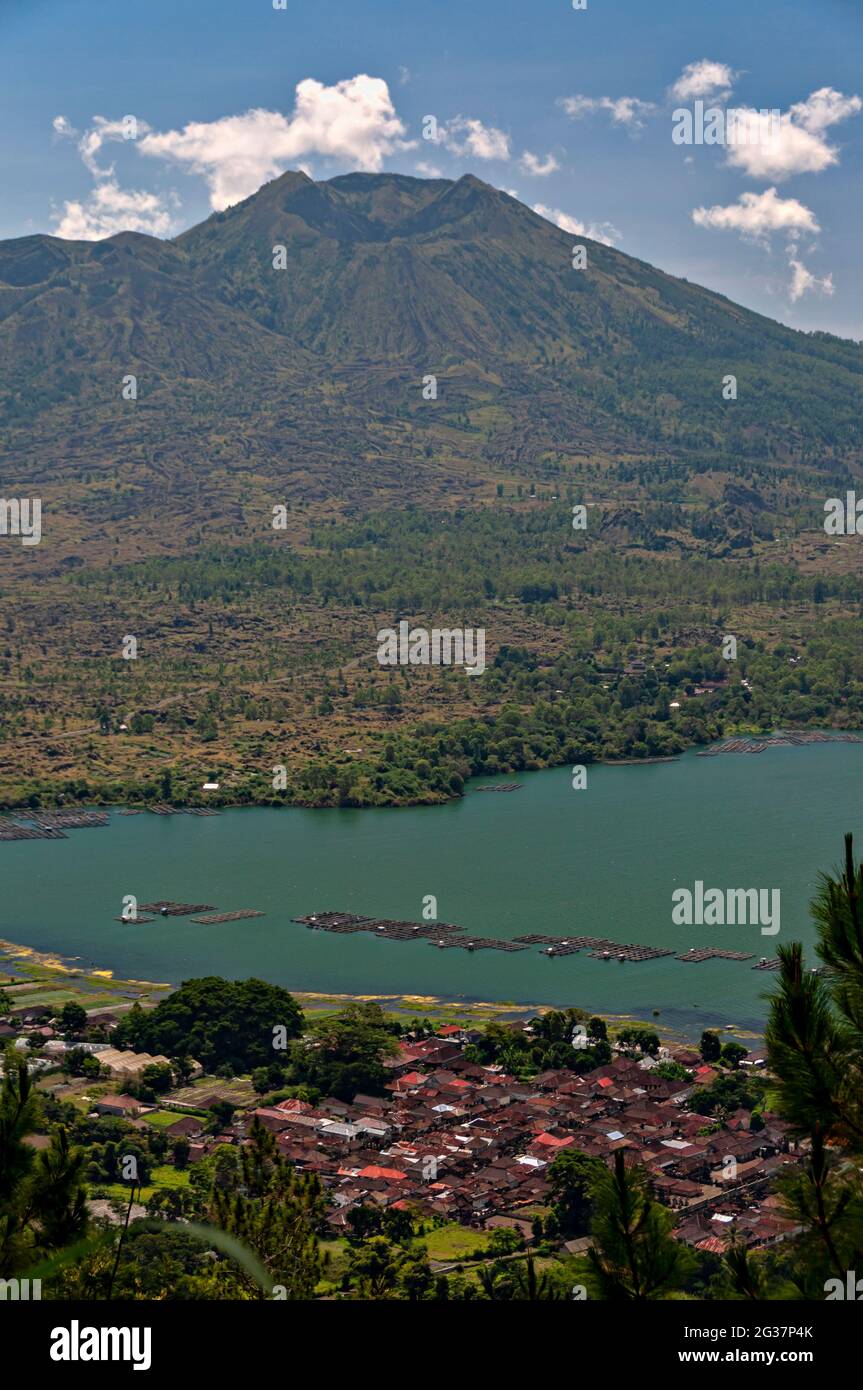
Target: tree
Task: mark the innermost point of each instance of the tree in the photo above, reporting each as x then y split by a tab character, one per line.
644	1040
710	1047
218	1022
570	1176
364	1221
42	1195
184	1069
58	1200
157	1077
345	1051
504	1240
223	1168
814	1039
532	1287
180	1152
733	1054
375	1267
671	1071
520	1281
73	1017
206	727
634	1254
743	1273
170	1203
222	1112
72	1062
18	1117
730	1091
148	1261
415	1278
273	1211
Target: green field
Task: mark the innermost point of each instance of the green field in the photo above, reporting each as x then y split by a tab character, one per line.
162	1118
56	998
161	1177
239	1090
337	1266
453	1242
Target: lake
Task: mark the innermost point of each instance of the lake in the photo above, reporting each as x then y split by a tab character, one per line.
603	861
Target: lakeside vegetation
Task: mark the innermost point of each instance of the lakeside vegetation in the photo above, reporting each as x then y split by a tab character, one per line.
597	650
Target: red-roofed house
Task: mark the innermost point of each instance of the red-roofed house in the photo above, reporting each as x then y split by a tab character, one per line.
295	1107
271	1119
704	1076
549	1141
408	1082
712	1244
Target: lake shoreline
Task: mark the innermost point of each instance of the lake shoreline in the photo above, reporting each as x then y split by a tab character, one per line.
438	1008
177	805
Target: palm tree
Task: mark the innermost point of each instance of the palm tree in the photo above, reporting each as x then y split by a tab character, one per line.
634	1255
42	1198
815	1051
746	1277
494	1283
532	1287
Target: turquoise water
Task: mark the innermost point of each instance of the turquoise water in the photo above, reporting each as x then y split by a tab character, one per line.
603	862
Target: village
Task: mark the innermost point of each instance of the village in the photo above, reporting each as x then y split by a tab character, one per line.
449	1141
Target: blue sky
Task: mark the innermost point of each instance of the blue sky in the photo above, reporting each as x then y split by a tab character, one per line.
570	110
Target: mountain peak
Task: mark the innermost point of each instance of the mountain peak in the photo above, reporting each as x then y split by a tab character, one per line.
412	275
289	180
471	181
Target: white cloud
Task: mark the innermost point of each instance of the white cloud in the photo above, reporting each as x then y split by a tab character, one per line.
766	147
90	143
353	121
625	111
802	281
533	164
705	79
111	209
467	136
824	108
602	232
758	214
101	131
429	171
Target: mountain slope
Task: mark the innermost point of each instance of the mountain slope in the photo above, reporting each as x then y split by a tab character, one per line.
260	384
455	267
304	387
